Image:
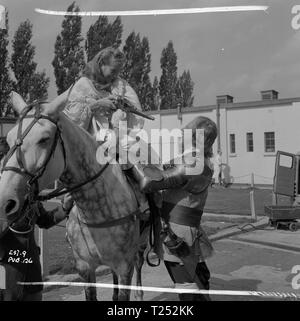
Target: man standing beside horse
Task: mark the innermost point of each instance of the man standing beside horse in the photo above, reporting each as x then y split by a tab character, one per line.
185	245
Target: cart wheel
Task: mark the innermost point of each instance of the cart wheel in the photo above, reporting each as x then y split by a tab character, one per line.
293	227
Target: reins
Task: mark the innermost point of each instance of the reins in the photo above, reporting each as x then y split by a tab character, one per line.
58	192
33	188
32	183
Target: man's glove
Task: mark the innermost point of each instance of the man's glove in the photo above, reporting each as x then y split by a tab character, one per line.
67	203
47	219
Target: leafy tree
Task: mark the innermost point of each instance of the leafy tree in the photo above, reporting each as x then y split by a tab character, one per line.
145	87
68	54
155	103
103	34
24	66
168	79
5	81
130	49
186	86
179	94
22	62
137	67
39	85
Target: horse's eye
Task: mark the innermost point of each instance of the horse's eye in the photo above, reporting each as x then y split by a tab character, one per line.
44	140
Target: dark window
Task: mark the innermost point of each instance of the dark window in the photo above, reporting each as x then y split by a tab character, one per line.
232	143
269	142
250	147
266	96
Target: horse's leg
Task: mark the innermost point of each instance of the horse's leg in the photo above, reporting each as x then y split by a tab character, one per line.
139	294
125	279
116	290
89	276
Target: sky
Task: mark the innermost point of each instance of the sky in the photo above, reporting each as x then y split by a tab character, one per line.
238	53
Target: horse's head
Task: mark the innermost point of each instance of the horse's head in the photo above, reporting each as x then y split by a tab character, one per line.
35	158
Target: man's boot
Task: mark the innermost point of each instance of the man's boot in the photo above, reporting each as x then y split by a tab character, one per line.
152	179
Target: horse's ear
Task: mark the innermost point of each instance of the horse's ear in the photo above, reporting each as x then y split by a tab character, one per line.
17	102
58	104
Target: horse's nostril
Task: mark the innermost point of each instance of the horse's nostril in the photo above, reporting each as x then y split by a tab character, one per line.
10	206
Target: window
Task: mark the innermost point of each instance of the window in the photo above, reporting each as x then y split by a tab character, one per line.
232	143
249	137
269	142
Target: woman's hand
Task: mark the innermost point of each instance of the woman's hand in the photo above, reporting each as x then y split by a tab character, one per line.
104	106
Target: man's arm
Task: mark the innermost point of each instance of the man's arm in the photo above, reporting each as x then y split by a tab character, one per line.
199	183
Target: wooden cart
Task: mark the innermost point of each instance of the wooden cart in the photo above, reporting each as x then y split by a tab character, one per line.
287	183
283	216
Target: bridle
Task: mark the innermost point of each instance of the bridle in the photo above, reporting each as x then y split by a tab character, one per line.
30	207
32	197
32	178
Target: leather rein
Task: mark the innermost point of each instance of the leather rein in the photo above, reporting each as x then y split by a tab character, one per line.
32	197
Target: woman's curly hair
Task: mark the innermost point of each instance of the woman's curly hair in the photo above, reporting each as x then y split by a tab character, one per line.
92	69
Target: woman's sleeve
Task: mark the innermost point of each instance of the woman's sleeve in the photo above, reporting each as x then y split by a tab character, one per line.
79	112
77	108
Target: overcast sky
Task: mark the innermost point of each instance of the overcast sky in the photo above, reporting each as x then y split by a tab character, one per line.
227	53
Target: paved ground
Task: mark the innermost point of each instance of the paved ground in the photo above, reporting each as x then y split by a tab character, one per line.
241	262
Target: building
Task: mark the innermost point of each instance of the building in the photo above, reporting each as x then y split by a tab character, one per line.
6	124
250	132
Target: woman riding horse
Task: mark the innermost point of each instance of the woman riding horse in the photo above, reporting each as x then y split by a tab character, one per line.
92	106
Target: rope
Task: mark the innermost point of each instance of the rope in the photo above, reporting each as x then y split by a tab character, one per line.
270	178
243	228
241	176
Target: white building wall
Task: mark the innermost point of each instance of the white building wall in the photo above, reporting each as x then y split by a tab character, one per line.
283	120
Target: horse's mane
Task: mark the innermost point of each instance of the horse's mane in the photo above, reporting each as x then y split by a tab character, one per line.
83	132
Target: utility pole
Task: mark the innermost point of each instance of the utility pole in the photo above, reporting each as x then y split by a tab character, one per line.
218	125
2	18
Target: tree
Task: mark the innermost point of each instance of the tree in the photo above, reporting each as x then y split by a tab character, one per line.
130	49
145	86
155	103
168	79
103	34
39	85
68	54
137	67
24	66
5	81
186	86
